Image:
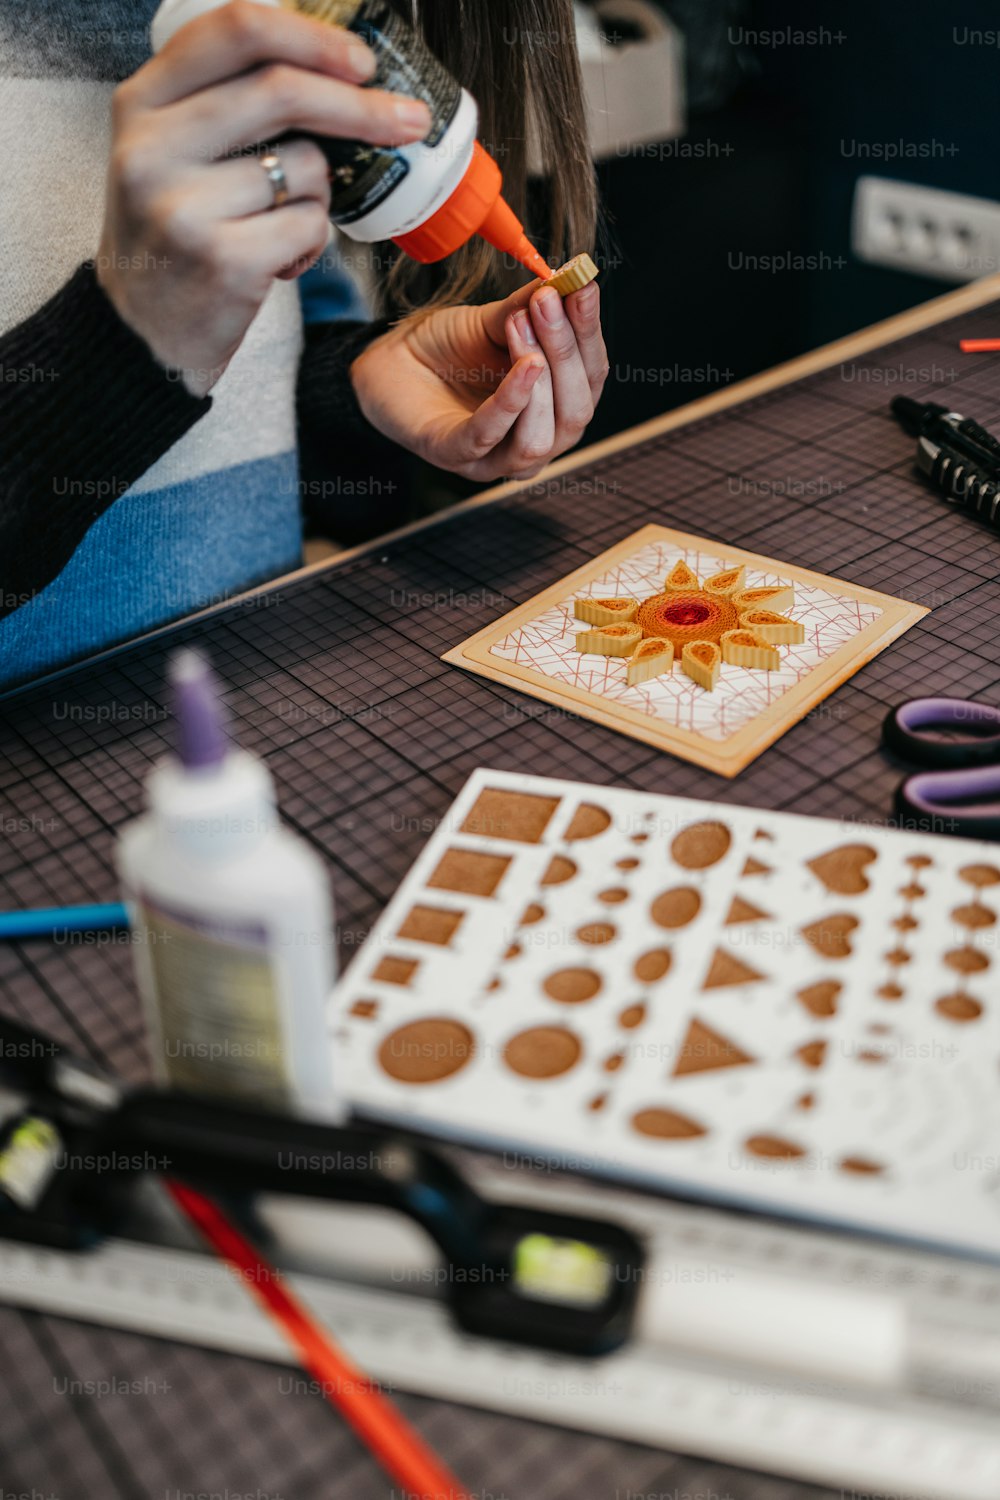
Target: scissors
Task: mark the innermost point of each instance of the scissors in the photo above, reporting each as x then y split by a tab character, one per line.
960	739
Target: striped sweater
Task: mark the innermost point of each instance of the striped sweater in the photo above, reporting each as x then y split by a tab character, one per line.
125	502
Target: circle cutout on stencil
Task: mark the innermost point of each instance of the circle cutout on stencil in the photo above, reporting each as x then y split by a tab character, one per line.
701	845
542	1052
958	1007
676	907
966	960
572	986
426	1051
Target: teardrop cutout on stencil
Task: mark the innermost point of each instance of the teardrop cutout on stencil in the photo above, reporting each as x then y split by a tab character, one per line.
572	986
666	1125
631	1016
597	933
812	1054
676	908
651	966
726	969
821	999
587	822
842	870
703	1050
774	1147
745	911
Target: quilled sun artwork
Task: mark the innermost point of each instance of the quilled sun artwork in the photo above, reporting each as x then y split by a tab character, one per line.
697	647
709	624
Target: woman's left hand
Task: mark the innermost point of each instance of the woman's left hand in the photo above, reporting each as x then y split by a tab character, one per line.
489	392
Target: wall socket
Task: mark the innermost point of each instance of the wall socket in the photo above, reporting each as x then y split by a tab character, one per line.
925	230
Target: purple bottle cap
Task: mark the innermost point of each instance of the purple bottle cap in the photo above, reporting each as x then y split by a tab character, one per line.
201	737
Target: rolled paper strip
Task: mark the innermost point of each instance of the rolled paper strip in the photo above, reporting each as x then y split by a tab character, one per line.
779	596
701	660
605	611
730	581
651	658
777	630
610	640
741	648
686	617
680	580
576	273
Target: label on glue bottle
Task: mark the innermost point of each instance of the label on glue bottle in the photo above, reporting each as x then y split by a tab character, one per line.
363	176
218	1005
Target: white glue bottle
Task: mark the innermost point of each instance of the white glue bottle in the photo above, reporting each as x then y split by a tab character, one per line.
429	197
231	919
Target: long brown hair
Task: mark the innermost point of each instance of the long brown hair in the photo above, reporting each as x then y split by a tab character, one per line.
518	59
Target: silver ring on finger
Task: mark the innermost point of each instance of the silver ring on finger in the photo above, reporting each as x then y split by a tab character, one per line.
273	169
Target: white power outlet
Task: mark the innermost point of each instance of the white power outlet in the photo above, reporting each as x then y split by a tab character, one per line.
925	230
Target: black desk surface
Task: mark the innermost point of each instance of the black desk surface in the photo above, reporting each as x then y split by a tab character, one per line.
336	680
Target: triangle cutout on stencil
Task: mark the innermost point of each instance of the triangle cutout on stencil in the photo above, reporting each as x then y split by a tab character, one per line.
745	911
704	1049
726	969
754	867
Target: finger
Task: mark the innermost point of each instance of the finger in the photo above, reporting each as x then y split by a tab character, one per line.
491	422
288	240
264	104
233	38
533	437
241	186
583	309
496	314
574	404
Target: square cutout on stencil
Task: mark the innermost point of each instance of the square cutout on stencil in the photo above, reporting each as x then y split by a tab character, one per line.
468	872
395	970
430	924
519	816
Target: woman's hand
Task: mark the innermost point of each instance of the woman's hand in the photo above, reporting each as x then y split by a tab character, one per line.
191	241
489	392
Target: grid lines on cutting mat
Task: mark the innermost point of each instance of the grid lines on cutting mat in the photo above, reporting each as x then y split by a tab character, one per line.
340	649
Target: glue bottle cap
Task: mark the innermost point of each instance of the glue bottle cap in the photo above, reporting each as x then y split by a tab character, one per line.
201	737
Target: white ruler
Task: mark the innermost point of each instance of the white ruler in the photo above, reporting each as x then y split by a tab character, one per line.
934	1433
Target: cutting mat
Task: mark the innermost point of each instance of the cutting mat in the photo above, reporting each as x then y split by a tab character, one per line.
337	680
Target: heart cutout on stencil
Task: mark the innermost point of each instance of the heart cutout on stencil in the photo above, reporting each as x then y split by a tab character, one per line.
831	936
842	870
821	999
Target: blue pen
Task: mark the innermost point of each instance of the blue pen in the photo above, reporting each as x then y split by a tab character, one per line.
50	920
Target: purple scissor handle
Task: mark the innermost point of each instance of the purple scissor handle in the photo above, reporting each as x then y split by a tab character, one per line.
962	739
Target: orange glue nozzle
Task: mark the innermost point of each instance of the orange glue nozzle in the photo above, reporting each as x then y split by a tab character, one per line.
475	207
504	230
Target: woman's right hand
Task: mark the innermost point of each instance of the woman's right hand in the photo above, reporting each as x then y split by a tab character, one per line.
191	243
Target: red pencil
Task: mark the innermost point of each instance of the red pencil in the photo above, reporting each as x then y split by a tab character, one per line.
399	1449
979	346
